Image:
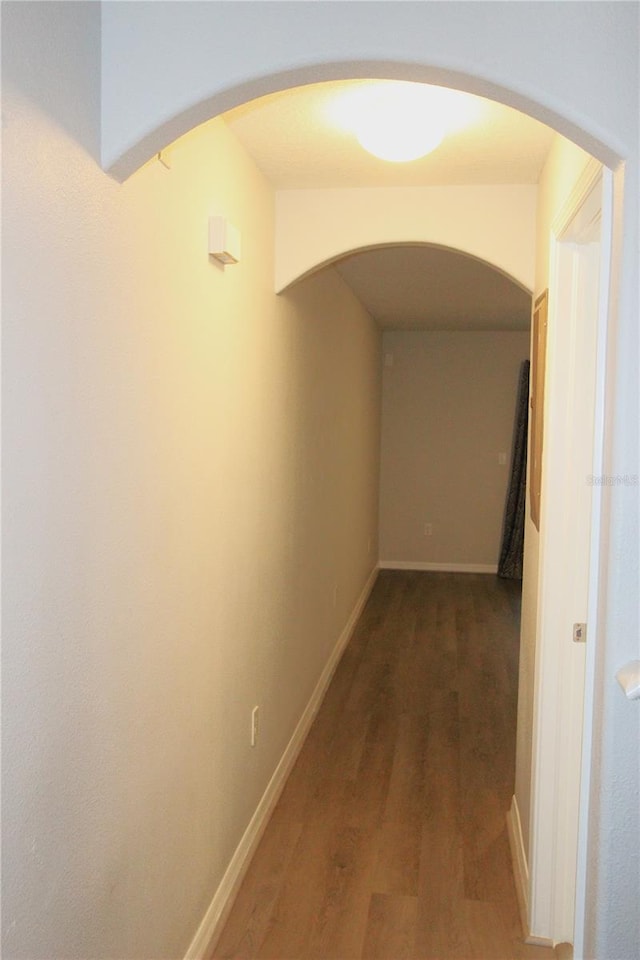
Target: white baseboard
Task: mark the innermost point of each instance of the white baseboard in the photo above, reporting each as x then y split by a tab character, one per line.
438	567
532	941
208	932
519	865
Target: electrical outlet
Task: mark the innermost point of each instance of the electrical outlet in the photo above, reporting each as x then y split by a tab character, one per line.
428	529
255	715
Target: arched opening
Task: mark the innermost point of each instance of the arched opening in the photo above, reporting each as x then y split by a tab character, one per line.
146	141
429	257
292	240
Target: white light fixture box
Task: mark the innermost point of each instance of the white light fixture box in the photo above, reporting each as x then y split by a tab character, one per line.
224	240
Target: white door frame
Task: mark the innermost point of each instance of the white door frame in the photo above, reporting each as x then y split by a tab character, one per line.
580	254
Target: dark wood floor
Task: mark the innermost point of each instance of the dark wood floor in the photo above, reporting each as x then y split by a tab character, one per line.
389	839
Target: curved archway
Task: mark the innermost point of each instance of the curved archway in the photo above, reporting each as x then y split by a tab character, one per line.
172	67
413	286
366	248
121	161
493	224
178	65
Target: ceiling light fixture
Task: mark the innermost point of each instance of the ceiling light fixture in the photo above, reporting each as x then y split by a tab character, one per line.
392	124
401	121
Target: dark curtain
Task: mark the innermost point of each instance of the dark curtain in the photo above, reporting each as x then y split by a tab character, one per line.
512	549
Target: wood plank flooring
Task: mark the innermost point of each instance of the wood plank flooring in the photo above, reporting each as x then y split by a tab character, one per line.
389	839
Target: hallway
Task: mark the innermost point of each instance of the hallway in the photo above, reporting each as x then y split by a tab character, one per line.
389	840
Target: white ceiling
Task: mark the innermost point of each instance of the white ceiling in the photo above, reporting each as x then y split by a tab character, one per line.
296	141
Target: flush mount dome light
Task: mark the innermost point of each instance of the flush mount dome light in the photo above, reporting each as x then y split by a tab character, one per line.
394	123
397	121
401	121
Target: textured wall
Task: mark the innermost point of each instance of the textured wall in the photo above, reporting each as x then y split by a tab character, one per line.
182	492
448	406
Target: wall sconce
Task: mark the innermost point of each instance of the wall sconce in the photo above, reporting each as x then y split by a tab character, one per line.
224	240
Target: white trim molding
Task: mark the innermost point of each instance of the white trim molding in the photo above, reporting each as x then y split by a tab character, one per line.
210	928
438	567
519	863
568	590
521	874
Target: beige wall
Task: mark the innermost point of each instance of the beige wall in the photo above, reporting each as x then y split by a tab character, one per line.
190	468
562	169
495	223
447	413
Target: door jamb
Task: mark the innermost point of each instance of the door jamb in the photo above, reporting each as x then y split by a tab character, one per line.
548	735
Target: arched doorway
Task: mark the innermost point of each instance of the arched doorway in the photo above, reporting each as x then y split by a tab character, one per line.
546	930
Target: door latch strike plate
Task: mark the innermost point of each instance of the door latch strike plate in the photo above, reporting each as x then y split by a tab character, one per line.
579	633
